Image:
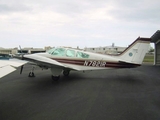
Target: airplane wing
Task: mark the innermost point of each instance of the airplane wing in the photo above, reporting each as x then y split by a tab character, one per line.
8	66
4	70
46	62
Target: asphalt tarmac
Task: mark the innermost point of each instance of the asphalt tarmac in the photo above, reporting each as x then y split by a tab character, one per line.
120	94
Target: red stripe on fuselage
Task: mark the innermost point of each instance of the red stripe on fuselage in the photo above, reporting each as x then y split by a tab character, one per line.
107	64
70	61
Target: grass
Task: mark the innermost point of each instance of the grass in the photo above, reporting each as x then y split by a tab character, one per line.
149	58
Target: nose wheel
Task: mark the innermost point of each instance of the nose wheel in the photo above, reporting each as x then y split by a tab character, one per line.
31	74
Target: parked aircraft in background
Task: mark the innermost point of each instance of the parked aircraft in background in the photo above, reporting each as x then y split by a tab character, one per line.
5	56
63	60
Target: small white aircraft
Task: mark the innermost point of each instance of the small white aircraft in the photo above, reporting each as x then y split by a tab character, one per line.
63	60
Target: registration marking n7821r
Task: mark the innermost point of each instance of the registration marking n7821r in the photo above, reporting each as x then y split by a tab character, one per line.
95	63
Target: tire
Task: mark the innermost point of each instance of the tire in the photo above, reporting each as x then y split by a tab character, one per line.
31	74
66	72
55	78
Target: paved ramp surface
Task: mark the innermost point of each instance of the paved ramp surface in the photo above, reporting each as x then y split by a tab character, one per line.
120	94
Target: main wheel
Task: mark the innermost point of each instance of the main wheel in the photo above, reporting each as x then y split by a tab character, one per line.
66	72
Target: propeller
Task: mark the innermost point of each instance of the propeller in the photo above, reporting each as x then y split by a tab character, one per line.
21	69
21	59
22	54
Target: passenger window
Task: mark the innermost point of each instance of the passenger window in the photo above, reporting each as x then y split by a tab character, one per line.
70	53
82	55
59	52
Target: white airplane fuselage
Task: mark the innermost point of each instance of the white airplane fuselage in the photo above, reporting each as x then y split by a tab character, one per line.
66	59
94	62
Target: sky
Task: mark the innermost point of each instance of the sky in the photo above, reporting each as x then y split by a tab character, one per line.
72	23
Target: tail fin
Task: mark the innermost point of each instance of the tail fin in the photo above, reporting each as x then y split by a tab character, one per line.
136	52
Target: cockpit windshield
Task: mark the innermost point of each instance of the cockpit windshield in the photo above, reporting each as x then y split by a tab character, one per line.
57	51
67	52
50	51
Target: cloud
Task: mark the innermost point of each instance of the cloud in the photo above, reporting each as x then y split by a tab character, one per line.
5	8
137	11
85	22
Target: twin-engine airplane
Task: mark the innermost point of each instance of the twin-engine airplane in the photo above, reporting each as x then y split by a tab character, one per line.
63	60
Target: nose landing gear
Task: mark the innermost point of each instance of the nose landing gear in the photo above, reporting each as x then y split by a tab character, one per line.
31	74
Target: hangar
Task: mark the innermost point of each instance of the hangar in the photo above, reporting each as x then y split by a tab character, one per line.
155	38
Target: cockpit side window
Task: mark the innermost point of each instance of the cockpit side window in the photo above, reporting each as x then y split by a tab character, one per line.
59	52
70	53
82	55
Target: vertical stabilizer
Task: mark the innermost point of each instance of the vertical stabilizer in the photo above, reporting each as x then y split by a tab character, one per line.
136	52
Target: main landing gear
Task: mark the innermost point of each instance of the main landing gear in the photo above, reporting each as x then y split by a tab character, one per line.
65	73
56	78
55	73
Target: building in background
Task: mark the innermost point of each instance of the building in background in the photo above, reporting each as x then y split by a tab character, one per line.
48	48
8	50
102	50
106	50
11	51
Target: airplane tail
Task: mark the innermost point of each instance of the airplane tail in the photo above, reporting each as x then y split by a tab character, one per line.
136	52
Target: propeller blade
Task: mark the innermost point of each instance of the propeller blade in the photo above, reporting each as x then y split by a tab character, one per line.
20	49
21	52
21	69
